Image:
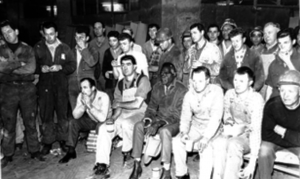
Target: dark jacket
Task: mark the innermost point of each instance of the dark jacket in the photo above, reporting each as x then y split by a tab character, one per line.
168	106
275	113
11	68
251	60
63	56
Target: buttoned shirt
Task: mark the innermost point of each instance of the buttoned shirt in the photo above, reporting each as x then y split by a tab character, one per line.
246	109
204	110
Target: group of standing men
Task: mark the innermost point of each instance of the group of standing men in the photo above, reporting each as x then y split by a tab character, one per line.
184	92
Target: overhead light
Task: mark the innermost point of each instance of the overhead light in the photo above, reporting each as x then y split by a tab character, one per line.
118	7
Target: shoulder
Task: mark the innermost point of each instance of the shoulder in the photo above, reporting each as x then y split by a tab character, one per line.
101	95
25	45
215	89
180	86
273	103
65	47
230	93
40	44
256	98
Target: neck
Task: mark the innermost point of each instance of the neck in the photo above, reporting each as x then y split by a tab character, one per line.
200	43
93	95
239	50
245	93
130	77
100	38
271	45
152	41
294	106
215	41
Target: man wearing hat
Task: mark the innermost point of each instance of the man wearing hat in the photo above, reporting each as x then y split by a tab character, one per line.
171	53
281	124
226	28
256	37
287	58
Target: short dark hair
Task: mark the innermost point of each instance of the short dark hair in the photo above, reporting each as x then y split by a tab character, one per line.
150	26
128	57
83	29
6	23
103	25
236	31
124	36
199	26
286	32
91	81
170	66
113	33
246	70
213	26
48	25
201	69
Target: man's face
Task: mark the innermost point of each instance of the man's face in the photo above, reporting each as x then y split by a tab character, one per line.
200	82
81	38
127	67
213	34
166	76
10	35
125	45
241	83
285	44
113	42
226	30
165	44
289	95
98	29
187	42
237	42
152	33
86	88
270	35
196	34
50	35
256	38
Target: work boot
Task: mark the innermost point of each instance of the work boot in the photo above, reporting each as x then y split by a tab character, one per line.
186	176
38	155
137	170
128	160
19	146
46	149
63	146
5	160
102	169
165	174
68	157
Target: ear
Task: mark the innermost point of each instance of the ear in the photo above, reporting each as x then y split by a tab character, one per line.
294	41
251	82
134	67
17	31
93	88
87	38
244	39
103	30
56	34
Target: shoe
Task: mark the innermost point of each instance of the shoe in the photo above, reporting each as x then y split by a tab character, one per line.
38	155
137	170
186	176
128	161
102	169
68	157
63	146
165	174
46	149
5	160
19	146
147	159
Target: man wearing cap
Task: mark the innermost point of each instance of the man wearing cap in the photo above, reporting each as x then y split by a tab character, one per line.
213	34
171	53
203	53
287	58
281	124
240	55
186	40
226	28
256	37
161	118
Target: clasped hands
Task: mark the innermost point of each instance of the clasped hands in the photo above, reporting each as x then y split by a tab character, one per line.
53	68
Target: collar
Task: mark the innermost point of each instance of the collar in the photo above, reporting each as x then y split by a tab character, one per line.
273	45
203	45
169	49
55	44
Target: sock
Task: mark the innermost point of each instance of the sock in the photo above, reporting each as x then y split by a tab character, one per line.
138	159
167	166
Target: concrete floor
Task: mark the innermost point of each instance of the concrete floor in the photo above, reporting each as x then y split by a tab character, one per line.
23	167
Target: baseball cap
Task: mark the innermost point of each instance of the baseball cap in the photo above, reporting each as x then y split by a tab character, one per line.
186	33
256	29
229	21
290	77
163	35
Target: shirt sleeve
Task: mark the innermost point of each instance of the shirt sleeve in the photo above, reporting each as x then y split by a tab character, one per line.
186	114
293	137
101	108
143	88
79	108
256	113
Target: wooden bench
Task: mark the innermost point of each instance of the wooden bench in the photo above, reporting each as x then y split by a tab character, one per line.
286	162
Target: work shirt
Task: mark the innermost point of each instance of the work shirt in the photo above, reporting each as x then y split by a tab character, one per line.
166	102
204	110
100	110
246	110
275	113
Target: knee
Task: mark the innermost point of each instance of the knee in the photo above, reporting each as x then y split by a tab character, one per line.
266	150
139	127
165	132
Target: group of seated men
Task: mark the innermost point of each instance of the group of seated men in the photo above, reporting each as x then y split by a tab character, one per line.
157	90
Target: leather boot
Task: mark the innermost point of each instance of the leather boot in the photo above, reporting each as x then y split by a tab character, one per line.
165	174
5	160
46	149
137	170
